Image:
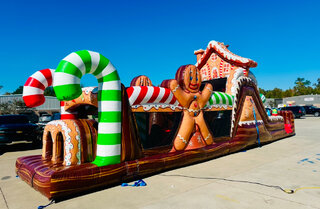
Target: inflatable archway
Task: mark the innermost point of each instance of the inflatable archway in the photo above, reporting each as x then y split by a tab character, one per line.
67	87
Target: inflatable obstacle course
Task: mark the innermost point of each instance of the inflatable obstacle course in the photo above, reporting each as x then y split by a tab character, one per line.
207	110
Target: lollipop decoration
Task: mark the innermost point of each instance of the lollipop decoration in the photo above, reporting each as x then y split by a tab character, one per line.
67	87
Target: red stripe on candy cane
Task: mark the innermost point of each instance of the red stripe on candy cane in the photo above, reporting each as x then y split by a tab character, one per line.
130	91
165	96
48	75
143	92
34	100
34	83
154	95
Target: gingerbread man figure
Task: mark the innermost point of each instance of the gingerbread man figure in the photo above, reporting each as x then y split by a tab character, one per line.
186	88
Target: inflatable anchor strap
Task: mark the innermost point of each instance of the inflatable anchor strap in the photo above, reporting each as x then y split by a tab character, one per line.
44	206
135	184
255	118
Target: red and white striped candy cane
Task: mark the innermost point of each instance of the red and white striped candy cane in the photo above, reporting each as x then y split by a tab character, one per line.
140	95
33	91
34	87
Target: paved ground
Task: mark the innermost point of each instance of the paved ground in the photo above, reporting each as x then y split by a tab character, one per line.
291	163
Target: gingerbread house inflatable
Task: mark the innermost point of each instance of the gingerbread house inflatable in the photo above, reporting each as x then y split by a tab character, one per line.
206	110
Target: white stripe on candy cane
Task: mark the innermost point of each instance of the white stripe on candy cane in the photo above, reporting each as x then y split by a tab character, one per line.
110	85
76	60
109	106
148	95
160	96
169	98
40	77
65	78
95	59
29	90
106	71
108	150
135	94
109	128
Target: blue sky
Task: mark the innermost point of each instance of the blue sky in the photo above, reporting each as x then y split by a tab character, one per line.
154	38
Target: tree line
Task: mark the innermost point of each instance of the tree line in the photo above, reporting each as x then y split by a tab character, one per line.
302	87
47	92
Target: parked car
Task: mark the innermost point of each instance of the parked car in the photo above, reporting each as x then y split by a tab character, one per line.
312	110
31	115
18	128
46	118
298	111
43	120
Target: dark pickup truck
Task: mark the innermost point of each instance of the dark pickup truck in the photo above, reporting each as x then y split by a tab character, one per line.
298	111
17	128
312	110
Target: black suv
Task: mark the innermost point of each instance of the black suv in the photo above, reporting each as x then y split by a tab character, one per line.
18	128
312	110
298	111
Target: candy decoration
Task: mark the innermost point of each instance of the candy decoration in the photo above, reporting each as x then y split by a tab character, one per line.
149	94
263	98
141	95
33	91
34	87
274	112
221	68
67	87
64	115
219	98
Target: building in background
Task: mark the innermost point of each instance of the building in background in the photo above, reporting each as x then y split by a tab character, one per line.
273	102
303	100
50	106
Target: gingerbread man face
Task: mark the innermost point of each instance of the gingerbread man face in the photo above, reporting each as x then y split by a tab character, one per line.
189	78
141	81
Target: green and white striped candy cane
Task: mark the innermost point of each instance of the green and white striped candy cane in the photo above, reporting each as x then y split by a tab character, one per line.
67	87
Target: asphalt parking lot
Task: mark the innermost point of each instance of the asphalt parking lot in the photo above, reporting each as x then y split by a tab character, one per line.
241	180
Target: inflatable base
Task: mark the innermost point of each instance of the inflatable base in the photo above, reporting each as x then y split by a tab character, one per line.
57	181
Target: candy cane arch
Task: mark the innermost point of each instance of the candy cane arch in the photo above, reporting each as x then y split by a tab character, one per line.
34	87
67	87
33	91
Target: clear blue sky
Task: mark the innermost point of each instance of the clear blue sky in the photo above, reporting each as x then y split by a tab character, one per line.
155	37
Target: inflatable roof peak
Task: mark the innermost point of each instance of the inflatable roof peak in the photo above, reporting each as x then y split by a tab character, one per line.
223	51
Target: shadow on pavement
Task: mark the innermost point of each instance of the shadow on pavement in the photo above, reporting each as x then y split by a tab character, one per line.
23	146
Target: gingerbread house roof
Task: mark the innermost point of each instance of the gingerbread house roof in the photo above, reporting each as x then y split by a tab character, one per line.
222	50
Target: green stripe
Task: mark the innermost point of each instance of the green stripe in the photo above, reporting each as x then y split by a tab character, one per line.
110	77
216	97
211	100
109	95
67	92
230	99
68	67
102	161
224	101
109	117
102	64
86	58
109	139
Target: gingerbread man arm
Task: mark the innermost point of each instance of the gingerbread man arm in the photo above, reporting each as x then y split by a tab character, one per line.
205	95
183	98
